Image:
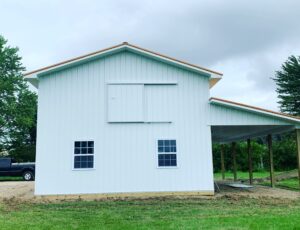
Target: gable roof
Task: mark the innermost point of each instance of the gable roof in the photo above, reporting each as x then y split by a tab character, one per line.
255	109
32	76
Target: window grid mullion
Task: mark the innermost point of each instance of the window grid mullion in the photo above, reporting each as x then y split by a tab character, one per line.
167	153
83	160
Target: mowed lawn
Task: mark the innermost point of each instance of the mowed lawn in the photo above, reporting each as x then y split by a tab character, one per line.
11	178
168	213
290	183
244	175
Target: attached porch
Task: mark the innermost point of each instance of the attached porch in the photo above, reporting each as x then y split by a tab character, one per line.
232	122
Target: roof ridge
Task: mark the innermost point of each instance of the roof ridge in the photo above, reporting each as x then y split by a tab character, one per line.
114	47
174	59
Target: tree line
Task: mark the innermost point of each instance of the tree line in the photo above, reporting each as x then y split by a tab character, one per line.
284	154
18	107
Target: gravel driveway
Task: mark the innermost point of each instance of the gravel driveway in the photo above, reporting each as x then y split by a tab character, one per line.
17	189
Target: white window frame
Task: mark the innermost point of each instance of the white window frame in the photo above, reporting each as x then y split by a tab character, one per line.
91	154
157	153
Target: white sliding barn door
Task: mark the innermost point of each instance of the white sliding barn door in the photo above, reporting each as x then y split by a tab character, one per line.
158	99
125	103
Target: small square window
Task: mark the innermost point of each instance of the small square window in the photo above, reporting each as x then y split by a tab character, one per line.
83	154
167	153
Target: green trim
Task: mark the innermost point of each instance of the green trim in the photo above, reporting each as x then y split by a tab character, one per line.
119	50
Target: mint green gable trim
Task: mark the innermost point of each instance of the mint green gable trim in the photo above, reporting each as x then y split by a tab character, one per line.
119	50
80	62
202	73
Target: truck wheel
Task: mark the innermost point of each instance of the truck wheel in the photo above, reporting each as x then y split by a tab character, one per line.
27	176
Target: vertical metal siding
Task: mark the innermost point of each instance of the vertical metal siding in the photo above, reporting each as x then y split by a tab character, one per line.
223	115
72	106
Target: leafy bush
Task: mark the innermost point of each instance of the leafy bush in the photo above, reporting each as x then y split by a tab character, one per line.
284	154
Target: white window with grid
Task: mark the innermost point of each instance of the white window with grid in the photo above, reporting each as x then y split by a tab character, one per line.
83	155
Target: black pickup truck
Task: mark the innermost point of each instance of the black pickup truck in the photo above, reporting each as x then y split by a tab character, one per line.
8	167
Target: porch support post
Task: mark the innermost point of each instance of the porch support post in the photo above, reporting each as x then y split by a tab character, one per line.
249	149
298	151
222	162
234	168
272	177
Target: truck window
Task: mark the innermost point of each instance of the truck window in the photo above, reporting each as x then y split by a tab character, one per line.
5	162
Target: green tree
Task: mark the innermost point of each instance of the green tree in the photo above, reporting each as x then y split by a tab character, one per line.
18	106
288	86
258	156
284	152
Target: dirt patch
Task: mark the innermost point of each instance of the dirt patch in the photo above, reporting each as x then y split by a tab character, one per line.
258	191
16	189
20	191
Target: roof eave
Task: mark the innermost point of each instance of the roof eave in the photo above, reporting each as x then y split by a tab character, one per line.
214	79
33	80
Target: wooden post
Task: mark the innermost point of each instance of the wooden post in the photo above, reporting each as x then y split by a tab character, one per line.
250	161
222	162
272	177
298	151
234	168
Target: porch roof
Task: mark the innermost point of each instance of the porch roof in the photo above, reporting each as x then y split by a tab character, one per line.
232	121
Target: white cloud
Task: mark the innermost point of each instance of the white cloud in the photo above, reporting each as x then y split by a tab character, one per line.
246	40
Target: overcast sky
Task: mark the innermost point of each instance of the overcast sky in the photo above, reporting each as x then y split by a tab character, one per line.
246	40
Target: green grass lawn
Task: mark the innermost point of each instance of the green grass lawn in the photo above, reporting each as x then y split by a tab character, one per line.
11	178
222	213
243	175
291	184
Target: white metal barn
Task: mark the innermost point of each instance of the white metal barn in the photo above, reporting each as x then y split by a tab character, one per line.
126	119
